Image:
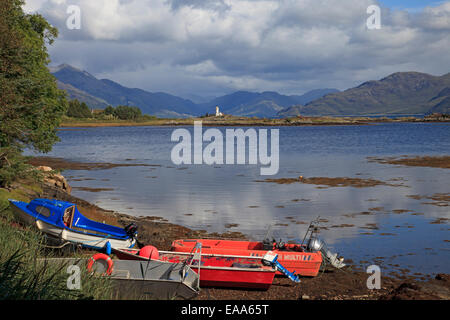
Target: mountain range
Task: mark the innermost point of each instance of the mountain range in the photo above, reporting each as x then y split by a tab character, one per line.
398	93
264	104
99	93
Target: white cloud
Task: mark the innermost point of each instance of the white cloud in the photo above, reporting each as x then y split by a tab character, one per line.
214	46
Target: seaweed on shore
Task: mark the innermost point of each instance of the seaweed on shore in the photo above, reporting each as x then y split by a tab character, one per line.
419	161
333	182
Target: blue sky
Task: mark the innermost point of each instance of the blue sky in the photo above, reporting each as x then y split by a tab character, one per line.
410	4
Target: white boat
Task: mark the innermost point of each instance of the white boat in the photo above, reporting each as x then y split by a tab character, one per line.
62	221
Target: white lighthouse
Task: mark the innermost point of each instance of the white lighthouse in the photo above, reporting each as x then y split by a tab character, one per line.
218	113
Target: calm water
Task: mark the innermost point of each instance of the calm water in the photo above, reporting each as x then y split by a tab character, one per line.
211	197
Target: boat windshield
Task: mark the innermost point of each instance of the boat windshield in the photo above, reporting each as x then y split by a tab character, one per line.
68	216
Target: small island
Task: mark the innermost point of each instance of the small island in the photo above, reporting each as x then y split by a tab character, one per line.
79	115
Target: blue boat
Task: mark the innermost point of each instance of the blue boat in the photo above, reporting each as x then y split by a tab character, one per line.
62	220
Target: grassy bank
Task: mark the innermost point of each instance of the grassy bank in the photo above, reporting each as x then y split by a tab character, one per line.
92	122
242	121
23	276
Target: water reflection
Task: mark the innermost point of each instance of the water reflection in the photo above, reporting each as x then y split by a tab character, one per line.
365	223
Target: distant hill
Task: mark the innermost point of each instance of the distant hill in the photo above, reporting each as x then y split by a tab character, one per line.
261	109
313	95
399	93
198	99
74	93
264	104
245	103
99	93
441	102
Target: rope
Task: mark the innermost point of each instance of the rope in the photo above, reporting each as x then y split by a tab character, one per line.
56	247
70	242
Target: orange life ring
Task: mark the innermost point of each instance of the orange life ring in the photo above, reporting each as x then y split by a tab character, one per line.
101	256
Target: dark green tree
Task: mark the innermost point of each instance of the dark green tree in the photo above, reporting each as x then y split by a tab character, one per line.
31	105
127	113
78	110
109	110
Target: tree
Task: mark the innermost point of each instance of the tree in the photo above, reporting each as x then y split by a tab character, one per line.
31	105
127	113
78	110
109	110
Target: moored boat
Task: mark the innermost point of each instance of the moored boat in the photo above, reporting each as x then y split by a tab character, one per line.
149	279
214	270
294	257
303	259
62	221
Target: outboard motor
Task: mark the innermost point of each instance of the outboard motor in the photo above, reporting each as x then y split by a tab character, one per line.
131	230
316	244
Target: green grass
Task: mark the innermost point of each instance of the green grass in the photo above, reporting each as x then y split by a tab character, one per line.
25	275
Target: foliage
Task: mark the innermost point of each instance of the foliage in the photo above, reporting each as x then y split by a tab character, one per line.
12	166
31	105
109	110
26	273
78	110
127	113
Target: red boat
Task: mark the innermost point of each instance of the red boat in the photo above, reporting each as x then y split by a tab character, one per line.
293	257
215	270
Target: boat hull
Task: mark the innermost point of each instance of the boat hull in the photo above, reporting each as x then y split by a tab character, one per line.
301	262
22	216
65	234
146	279
83	239
244	279
216	270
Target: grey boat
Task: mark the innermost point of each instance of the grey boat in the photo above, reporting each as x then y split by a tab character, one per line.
144	279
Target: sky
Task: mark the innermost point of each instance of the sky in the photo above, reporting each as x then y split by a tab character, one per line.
410	4
214	47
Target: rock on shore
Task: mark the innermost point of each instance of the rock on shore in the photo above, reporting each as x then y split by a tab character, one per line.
54	179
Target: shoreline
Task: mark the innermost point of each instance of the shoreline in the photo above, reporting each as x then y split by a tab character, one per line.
245	121
346	284
336	285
